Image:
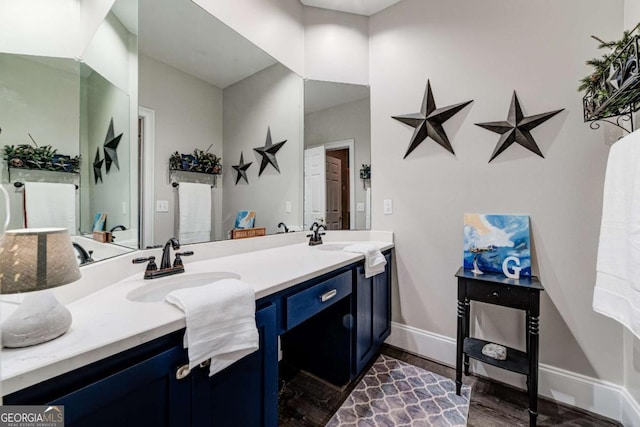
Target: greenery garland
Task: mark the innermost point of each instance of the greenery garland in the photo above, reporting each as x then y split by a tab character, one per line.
595	84
44	157
200	161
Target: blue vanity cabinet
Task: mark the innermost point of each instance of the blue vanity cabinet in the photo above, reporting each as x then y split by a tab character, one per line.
245	393
372	313
135	388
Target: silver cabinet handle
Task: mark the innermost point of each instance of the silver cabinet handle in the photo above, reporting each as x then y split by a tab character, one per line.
182	372
328	295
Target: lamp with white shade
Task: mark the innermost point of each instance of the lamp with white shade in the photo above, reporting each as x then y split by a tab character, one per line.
34	261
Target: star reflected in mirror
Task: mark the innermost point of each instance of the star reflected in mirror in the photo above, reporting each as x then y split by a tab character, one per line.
268	153
517	128
110	148
242	169
97	166
428	122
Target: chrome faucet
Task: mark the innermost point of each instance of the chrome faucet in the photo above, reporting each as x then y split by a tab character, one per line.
166	268
315	238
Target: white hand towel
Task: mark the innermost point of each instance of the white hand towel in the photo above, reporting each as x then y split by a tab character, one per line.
374	261
221	323
617	290
195	212
50	204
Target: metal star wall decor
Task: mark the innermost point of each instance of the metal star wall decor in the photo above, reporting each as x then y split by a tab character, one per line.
517	128
268	152
242	169
97	166
428	122
110	147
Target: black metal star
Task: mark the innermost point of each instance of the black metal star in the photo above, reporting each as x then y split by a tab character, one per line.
268	152
242	169
428	122
517	128
97	166
110	147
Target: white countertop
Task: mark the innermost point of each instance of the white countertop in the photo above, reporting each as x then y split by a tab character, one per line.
105	322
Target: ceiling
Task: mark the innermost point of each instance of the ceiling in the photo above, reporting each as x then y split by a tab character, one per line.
320	95
359	7
181	34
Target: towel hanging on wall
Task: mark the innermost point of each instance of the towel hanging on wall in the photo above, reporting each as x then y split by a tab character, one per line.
617	290
50	204
195	212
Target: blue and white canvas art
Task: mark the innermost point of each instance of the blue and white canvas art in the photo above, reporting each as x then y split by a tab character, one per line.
497	243
245	219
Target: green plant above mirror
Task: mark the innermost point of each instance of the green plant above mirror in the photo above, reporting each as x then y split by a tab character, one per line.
43	157
200	161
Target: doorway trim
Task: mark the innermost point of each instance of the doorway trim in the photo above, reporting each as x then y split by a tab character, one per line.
350	145
147	181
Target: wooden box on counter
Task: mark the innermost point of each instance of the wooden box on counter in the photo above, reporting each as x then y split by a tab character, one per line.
243	233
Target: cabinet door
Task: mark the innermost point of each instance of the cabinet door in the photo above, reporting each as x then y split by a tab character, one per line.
145	394
382	304
246	393
373	314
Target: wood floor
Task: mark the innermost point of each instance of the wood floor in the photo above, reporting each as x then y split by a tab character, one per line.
307	401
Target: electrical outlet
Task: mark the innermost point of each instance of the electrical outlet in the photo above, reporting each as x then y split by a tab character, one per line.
388	206
162	206
287	206
360	207
124	208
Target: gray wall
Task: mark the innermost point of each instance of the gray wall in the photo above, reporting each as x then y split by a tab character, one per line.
272	97
483	51
351	120
188	114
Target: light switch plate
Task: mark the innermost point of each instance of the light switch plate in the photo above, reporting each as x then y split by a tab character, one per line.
162	206
287	206
360	207
388	206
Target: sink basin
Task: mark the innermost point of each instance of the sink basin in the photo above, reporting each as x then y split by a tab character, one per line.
333	246
155	290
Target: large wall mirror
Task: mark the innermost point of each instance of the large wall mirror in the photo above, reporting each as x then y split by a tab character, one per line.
203	86
60	117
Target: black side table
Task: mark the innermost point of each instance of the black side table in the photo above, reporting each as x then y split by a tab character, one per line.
494	288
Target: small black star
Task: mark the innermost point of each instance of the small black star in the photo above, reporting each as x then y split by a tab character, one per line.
428	122
242	169
517	128
110	147
268	153
97	166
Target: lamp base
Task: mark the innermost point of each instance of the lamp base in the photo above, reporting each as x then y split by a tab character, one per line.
40	318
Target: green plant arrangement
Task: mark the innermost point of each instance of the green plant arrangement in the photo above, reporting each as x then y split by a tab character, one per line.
611	72
44	157
200	161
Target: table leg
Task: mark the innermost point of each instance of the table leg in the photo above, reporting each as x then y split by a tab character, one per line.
467	331
532	383
460	345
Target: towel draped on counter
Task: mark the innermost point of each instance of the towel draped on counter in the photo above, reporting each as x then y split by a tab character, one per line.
374	261
221	323
617	290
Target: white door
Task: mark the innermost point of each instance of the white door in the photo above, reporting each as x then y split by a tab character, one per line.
314	186
334	194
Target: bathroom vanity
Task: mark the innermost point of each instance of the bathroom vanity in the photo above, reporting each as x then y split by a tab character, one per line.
329	318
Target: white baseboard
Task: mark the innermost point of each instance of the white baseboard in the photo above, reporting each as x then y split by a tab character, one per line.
591	394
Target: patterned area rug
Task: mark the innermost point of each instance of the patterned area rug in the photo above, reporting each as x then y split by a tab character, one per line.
394	393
